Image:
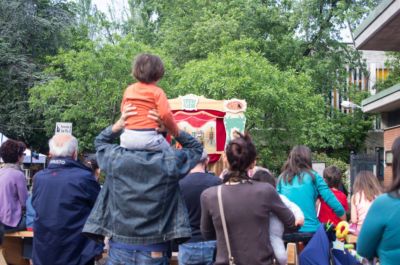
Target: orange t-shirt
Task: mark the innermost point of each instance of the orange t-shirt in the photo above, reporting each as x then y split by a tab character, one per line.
146	97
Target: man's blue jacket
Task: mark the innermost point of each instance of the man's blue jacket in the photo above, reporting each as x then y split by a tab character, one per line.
63	196
140	202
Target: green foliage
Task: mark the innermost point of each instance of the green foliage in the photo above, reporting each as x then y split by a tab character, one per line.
86	87
30	30
329	161
283	57
393	63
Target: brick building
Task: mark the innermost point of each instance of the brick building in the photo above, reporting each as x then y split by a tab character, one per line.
381	31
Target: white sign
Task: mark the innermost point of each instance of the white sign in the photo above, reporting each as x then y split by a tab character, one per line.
64	127
318	167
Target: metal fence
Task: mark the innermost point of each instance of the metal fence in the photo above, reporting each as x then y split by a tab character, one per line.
368	162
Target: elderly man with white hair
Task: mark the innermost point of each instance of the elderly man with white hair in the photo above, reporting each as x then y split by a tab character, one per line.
63	196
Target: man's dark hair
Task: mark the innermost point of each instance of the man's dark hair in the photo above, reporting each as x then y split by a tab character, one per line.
333	176
11	150
262	175
240	153
148	68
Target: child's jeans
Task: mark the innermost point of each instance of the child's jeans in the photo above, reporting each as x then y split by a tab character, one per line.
148	140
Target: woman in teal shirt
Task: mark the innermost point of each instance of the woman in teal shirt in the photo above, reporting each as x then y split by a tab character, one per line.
380	233
300	184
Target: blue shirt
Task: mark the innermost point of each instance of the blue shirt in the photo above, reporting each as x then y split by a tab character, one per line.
305	193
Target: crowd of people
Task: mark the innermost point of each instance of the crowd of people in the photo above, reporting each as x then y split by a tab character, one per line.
155	196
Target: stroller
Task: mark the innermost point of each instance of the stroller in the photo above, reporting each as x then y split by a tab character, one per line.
320	251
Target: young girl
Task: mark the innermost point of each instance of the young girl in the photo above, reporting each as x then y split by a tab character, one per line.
365	189
140	132
301	185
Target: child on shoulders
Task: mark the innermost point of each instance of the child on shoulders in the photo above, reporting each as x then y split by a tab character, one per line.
140	132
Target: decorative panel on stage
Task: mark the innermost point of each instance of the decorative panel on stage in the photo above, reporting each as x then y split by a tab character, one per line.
212	122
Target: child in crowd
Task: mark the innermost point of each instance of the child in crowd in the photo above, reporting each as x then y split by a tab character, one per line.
140	132
276	227
365	189
333	177
91	163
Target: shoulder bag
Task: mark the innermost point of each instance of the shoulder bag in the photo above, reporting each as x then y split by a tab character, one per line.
221	211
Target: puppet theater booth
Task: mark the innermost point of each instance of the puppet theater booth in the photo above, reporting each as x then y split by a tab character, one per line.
212	122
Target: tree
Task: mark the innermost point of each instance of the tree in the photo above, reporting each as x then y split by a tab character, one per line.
393	63
301	35
279	102
30	30
298	39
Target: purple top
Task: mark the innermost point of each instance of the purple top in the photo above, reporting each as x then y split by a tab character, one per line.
13	194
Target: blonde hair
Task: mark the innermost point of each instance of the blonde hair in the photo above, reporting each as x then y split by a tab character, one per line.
367	183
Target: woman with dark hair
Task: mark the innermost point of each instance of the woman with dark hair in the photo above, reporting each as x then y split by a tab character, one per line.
302	185
91	162
13	190
246	207
379	235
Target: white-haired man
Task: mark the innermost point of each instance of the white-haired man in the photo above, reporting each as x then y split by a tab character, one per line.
63	196
197	250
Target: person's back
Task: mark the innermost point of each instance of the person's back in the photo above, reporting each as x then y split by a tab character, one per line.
301	185
326	213
332	176
379	235
380	232
196	249
276	227
365	189
13	191
140	206
12	186
246	205
140	132
191	187
63	196
248	233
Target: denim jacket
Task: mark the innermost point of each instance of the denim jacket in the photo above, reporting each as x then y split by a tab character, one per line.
140	202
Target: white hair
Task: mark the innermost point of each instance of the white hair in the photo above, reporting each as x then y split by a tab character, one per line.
63	145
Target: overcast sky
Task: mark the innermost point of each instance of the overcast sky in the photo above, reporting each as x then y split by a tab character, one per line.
117	5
